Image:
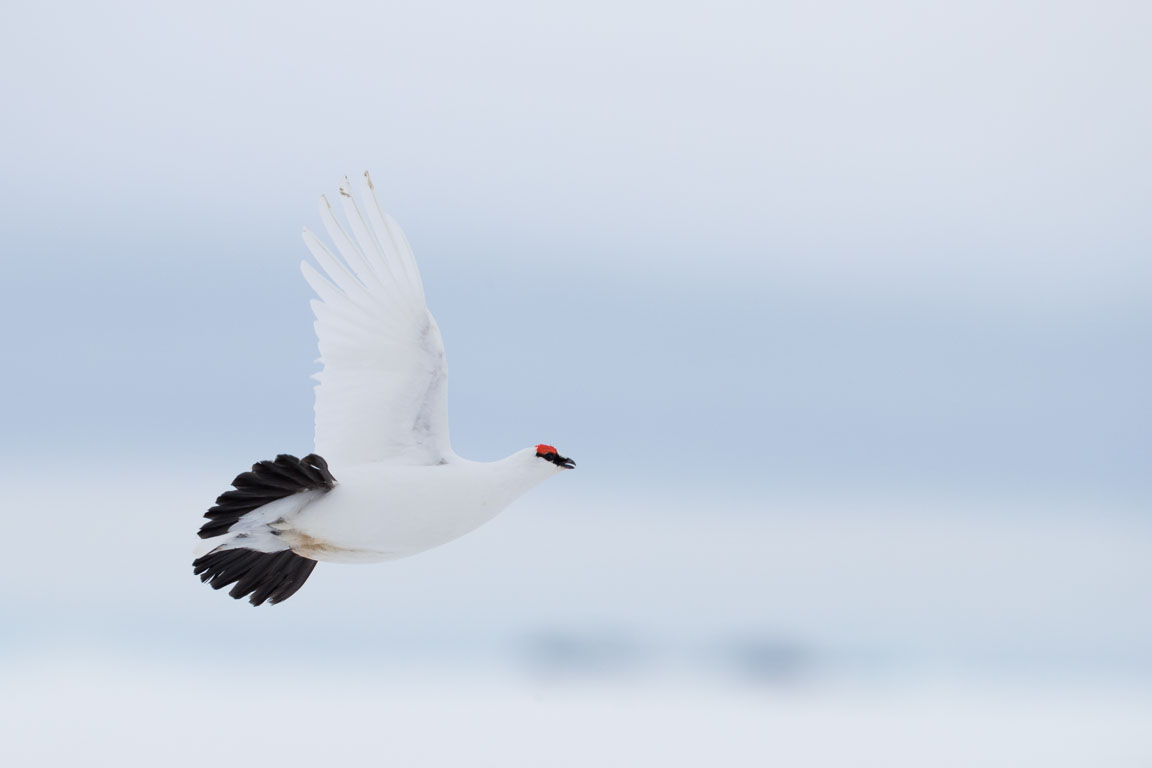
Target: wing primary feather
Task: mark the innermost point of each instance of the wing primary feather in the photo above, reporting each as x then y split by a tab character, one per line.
387	229
339	275
405	248
327	292
344	244
375	257
368	245
335	316
381	388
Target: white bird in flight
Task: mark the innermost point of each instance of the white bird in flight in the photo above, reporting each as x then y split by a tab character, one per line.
384	482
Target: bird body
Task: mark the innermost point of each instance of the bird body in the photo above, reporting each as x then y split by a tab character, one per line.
383	512
384	482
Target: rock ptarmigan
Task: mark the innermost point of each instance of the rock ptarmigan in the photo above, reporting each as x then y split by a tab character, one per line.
384	481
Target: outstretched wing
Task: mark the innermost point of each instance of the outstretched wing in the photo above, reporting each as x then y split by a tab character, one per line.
381	395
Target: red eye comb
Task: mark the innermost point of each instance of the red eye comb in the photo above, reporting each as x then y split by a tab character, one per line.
542	449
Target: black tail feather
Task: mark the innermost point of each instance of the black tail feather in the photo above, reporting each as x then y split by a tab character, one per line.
267	481
266	576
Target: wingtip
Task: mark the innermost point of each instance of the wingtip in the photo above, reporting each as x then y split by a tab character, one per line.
310	238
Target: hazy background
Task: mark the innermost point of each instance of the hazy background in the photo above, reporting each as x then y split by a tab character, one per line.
843	310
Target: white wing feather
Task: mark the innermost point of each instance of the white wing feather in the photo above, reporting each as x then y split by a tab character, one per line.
381	395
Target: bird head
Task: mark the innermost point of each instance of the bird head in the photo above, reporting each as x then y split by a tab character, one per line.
549	453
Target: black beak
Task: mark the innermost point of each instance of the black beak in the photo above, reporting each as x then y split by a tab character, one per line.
558	460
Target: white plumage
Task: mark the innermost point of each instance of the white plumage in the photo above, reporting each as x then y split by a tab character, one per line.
386	482
381	395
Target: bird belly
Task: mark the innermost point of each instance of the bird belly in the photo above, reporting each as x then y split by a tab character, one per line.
372	518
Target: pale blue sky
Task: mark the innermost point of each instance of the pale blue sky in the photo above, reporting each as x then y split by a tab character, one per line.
843	309
900	246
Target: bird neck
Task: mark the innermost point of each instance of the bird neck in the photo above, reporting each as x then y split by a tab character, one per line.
519	473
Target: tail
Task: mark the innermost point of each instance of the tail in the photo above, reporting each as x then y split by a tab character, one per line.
271	576
244	547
